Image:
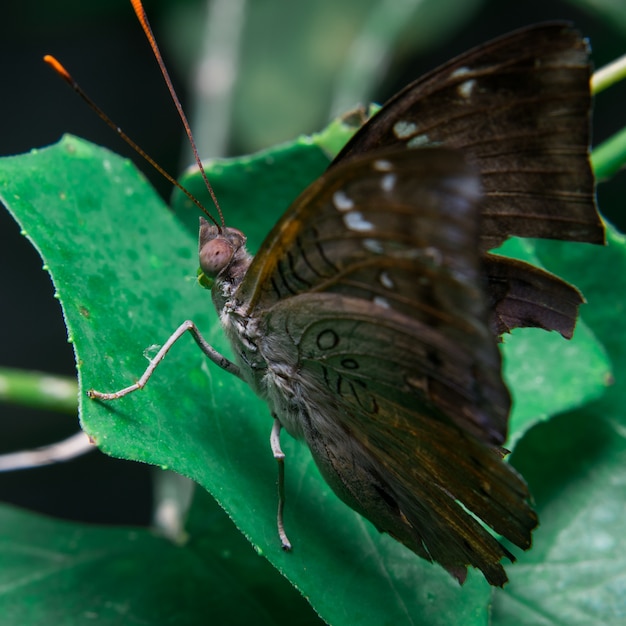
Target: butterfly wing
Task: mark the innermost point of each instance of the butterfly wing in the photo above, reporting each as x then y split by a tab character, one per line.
374	324
522	295
401	427
519	108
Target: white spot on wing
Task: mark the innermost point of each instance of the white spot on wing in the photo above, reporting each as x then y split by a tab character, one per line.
433	255
460	71
382	302
404	130
418	141
466	88
388	182
354	221
342	202
385	280
382	165
373	245
420	383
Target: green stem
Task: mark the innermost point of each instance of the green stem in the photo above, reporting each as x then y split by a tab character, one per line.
608	75
609	156
39	390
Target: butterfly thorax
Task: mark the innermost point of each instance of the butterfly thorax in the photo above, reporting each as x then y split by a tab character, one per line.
225	260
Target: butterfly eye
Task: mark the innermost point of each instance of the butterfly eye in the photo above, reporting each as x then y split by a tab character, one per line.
215	255
220	248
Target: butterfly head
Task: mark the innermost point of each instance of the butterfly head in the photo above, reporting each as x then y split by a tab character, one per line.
223	254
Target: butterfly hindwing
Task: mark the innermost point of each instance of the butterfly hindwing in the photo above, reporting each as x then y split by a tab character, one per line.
522	295
391	448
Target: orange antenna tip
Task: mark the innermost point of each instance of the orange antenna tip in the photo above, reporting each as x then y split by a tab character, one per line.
57	67
139	10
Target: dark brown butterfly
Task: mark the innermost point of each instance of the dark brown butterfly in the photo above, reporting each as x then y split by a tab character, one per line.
369	319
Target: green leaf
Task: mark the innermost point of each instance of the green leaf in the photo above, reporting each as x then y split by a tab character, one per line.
609	157
576	468
125	270
63	573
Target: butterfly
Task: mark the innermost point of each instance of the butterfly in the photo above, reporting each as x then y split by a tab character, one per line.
369	319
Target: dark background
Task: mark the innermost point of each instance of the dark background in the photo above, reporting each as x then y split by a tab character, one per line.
102	45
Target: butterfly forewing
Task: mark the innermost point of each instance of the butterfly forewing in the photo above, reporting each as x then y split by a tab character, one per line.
342	233
519	108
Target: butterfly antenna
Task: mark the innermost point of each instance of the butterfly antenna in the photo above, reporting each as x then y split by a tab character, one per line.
67	77
143	20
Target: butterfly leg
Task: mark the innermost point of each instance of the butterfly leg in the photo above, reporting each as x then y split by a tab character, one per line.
210	352
279	455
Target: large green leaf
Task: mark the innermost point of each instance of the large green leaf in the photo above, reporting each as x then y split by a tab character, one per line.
124	269
576	467
68	574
